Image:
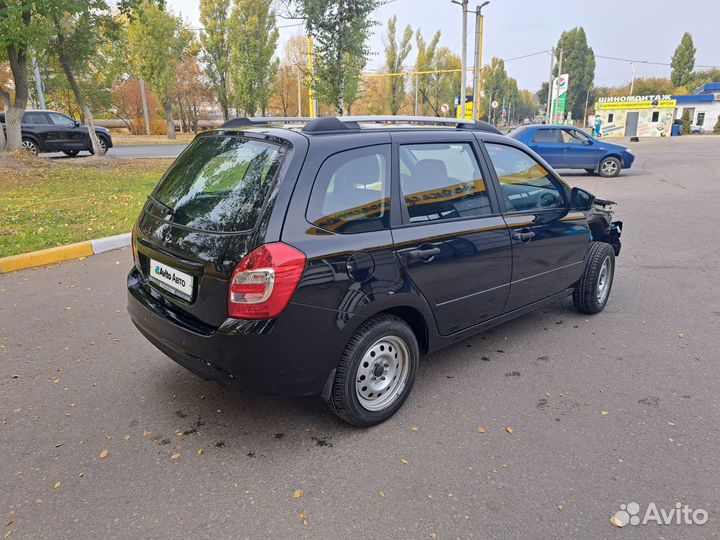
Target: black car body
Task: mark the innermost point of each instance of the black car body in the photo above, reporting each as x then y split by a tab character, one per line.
433	228
50	131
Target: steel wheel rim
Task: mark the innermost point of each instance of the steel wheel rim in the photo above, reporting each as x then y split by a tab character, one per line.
604	280
609	167
29	146
382	373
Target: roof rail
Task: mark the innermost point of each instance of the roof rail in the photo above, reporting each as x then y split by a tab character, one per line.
260	120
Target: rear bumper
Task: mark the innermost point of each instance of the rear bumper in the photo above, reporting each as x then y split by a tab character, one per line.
292	355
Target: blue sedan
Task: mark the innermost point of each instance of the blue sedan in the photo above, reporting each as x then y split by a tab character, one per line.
566	147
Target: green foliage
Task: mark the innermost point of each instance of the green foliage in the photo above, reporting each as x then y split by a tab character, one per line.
215	55
157	41
253	38
683	62
443	87
340	30
579	64
716	129
686	122
424	61
395	56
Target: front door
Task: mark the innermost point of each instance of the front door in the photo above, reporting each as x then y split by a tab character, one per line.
549	242
548	143
631	123
581	152
70	136
453	242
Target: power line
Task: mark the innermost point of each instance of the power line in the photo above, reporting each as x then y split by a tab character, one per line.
646	61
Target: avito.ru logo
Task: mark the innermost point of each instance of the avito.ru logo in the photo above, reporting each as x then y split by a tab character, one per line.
682	514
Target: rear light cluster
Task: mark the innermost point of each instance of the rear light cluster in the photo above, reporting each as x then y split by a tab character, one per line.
263	282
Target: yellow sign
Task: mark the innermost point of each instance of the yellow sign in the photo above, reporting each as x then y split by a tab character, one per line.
633	105
468	111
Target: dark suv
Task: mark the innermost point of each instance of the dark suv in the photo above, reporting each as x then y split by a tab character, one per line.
323	259
50	131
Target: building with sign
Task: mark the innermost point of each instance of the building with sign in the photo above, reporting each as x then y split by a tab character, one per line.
703	107
636	116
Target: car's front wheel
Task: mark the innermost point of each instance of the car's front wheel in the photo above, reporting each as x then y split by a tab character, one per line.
609	167
376	372
103	145
30	146
593	290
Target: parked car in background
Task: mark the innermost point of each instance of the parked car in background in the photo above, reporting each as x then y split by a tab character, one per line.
324	259
566	147
50	131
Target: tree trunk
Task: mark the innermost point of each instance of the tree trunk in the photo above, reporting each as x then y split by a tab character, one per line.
13	117
6	105
170	120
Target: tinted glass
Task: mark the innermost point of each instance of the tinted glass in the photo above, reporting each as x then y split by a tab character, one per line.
442	181
546	136
34	118
219	183
59	119
571	136
352	191
524	183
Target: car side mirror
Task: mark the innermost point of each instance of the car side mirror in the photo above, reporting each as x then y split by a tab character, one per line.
76	123
581	200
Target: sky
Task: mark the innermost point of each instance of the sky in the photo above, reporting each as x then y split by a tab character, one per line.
629	29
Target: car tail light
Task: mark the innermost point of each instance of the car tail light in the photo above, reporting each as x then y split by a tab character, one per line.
263	282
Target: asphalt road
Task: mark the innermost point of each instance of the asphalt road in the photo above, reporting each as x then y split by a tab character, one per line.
134	151
88	382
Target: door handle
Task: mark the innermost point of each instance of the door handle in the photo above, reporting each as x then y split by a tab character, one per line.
424	255
523	235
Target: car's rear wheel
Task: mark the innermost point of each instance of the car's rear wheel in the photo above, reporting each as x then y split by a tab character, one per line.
609	167
71	153
376	372
593	290
30	147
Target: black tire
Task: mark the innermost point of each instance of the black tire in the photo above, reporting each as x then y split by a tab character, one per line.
31	147
609	167
103	142
344	400
590	171
587	296
71	153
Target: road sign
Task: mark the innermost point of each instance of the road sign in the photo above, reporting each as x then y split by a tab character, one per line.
445	108
494	104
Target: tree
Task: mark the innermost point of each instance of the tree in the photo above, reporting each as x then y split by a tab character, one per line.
76	29
253	39
290	78
424	61
5	77
686	121
395	56
716	129
191	92
579	64
683	61
128	105
21	28
215	18
340	30
157	41
443	87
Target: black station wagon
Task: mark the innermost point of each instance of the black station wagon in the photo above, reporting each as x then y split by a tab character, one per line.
323	257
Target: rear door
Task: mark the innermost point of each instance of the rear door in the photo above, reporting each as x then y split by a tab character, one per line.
37	123
452	242
549	242
548	142
211	208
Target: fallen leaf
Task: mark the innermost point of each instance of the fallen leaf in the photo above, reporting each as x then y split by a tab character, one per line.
604	413
104	454
57	485
403	461
509	430
381	493
55	381
680	335
298	493
414	428
146	433
561	507
7	534
671	423
16	376
175	456
10	522
433	536
126	437
615	521
481	429
303	518
58	445
68	308
108	437
201	452
82	474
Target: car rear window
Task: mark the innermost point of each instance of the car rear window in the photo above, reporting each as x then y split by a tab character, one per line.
220	183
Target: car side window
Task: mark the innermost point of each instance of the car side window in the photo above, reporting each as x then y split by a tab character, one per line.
524	183
443	181
546	136
34	118
59	119
571	136
351	192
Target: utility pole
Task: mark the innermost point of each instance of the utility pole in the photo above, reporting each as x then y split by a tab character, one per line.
550	86
463	77
299	90
552	111
479	23
38	84
587	97
417	95
311	71
145	107
632	83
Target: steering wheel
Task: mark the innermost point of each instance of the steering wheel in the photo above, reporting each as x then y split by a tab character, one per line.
548	200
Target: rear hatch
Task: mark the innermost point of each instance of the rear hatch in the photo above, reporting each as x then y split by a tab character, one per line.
203	217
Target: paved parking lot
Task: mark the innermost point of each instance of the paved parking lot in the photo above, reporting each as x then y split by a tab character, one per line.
76	380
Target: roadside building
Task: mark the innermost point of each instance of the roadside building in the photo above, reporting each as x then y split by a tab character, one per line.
703	107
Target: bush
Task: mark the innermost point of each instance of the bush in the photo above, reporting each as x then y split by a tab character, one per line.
716	129
686	122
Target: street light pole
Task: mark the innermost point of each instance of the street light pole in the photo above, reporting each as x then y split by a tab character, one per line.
550	86
479	23
632	83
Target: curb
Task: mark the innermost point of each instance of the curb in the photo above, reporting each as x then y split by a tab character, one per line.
63	253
